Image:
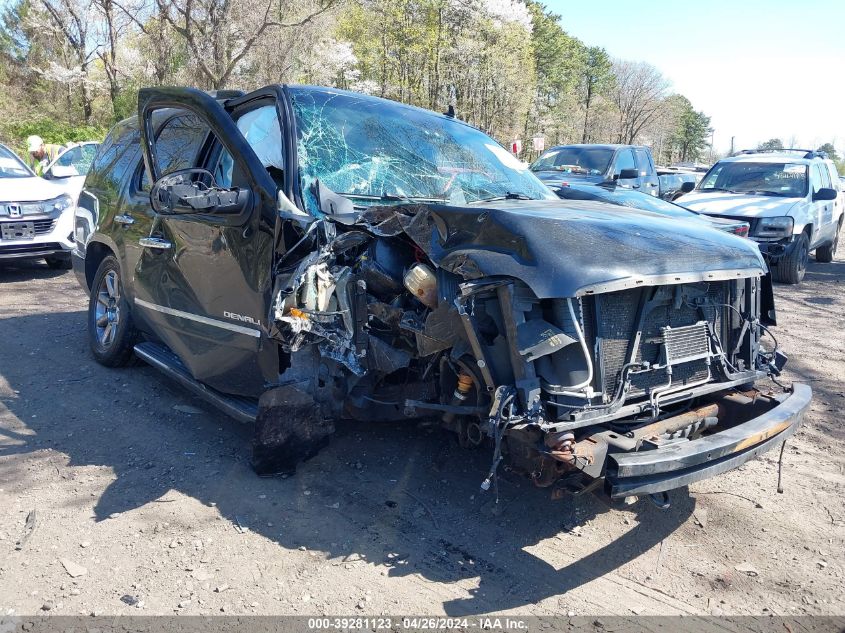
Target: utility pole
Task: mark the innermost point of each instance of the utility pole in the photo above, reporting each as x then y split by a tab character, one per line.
712	133
732	146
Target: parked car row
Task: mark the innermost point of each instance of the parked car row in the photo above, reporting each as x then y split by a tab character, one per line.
791	201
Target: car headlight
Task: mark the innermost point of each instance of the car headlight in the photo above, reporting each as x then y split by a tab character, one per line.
60	203
780	226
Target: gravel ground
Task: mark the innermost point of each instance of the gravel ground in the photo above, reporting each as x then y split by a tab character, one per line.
144	502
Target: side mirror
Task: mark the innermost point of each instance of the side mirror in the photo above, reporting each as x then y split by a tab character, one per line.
61	171
195	191
688	186
825	193
627	174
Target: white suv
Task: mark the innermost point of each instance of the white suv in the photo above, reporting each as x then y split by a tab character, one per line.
36	215
792	199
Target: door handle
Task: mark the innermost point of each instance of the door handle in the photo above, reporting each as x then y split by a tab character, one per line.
125	220
635	186
155	242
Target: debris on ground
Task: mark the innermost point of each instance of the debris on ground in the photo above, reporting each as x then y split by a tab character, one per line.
74	570
28	529
747	568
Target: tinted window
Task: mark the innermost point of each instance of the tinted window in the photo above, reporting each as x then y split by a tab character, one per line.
624	160
115	155
575	160
177	144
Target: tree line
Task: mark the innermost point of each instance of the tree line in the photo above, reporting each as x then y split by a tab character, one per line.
71	68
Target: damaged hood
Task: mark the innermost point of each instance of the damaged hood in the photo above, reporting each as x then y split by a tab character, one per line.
738	205
568	248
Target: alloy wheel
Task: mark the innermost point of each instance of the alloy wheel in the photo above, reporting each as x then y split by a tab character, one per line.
107	310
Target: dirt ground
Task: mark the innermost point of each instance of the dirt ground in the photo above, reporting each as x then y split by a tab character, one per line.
144	501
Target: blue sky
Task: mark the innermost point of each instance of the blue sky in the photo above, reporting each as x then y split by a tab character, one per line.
759	69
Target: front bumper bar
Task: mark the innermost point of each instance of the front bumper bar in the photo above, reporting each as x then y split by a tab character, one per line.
677	465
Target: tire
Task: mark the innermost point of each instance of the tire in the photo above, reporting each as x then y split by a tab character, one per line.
59	262
111	333
825	254
790	268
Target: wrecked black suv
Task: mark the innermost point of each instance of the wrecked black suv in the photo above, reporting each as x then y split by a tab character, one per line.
299	255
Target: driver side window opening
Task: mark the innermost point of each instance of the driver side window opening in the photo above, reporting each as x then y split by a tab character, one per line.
261	128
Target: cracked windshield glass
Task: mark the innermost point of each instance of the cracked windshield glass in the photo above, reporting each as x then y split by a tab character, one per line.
393	153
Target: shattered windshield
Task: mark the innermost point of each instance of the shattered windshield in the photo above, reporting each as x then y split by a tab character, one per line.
787	180
375	152
575	160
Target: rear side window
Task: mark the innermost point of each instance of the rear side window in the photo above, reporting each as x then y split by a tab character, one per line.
115	155
177	145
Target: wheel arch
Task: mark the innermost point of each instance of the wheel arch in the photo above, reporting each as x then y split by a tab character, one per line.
95	253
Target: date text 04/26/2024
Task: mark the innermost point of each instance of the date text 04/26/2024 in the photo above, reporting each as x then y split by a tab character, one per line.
420	623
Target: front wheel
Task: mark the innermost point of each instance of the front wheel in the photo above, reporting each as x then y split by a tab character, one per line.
791	268
111	333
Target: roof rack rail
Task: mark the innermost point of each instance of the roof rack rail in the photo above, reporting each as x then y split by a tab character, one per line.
808	153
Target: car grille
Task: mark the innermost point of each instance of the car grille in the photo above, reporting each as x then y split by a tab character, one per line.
42	227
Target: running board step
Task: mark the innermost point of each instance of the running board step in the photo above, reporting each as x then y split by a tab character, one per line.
160	357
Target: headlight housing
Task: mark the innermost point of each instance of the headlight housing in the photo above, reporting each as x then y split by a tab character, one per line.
59	204
778	226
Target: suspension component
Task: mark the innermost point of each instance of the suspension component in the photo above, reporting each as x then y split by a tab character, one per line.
462	390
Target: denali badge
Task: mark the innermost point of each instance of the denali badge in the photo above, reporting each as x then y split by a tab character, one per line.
241	317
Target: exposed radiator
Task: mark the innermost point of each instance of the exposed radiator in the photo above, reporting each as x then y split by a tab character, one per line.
671	332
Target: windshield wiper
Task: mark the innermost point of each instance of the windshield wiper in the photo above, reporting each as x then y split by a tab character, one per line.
392	197
508	196
768	193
